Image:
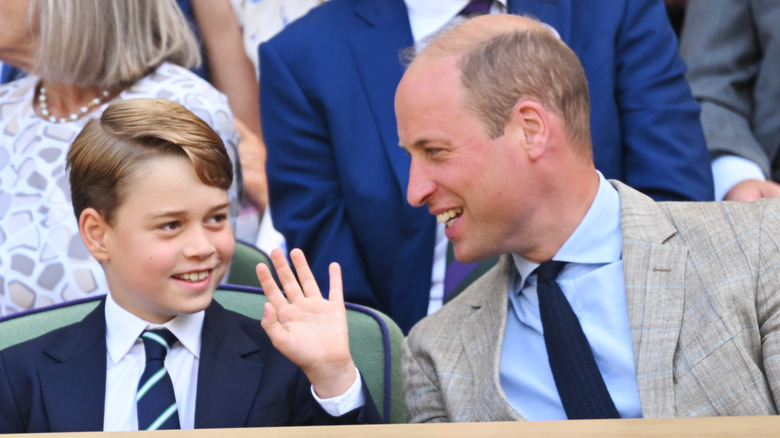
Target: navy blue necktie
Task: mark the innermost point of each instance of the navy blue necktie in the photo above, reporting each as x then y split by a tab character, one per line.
155	397
476	7
577	377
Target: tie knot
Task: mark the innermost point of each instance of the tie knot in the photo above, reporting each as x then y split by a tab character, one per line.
476	7
549	270
157	342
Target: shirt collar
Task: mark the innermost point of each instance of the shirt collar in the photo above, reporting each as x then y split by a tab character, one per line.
123	329
597	239
427	16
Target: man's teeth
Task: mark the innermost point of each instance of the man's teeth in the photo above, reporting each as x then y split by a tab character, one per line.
194	276
449	216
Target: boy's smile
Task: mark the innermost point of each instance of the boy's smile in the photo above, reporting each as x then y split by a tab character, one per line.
170	241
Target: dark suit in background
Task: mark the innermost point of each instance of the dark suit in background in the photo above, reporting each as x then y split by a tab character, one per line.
338	178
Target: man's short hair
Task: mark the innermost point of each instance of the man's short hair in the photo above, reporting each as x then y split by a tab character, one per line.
500	65
110	150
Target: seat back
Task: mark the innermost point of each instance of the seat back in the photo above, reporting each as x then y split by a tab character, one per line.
374	339
242	266
23	326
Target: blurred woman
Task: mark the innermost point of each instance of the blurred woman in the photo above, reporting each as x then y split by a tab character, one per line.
81	54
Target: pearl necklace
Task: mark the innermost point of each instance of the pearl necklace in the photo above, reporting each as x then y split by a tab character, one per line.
43	103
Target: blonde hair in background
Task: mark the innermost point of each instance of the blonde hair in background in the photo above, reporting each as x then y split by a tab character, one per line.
109	43
109	151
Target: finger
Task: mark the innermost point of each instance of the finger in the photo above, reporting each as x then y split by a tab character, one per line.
270	288
271	324
336	287
308	283
286	276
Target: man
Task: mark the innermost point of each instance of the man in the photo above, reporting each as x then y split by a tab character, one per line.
337	177
671	308
733	50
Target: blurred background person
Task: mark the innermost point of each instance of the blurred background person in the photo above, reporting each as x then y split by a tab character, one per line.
231	31
81	54
732	48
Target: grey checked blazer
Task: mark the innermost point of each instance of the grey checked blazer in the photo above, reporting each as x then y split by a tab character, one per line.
703	296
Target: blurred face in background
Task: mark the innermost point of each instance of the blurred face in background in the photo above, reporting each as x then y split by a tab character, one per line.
17	42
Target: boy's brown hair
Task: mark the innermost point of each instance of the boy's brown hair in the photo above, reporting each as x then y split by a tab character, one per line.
109	151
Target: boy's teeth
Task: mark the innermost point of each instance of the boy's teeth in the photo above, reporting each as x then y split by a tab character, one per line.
449	216
194	276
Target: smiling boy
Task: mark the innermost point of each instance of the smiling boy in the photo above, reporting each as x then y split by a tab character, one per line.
149	186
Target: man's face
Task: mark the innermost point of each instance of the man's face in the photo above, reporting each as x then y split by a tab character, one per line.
170	243
469	181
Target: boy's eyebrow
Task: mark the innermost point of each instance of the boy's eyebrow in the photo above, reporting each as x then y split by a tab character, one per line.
179	213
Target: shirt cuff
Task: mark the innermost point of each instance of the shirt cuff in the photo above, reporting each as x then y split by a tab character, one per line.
341	404
728	170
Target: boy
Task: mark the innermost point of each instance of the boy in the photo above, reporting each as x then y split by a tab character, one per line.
149	186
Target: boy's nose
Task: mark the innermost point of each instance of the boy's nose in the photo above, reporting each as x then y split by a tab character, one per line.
199	244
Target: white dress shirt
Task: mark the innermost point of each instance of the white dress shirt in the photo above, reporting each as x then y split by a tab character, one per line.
126	361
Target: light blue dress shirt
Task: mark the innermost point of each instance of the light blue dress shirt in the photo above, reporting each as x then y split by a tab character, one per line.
593	283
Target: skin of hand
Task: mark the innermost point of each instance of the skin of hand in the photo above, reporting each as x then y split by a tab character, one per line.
753	189
306	328
251	151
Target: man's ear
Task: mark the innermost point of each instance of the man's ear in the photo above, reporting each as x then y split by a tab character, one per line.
531	121
93	228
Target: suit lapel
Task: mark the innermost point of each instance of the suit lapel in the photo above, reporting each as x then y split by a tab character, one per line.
556	13
376	52
654	272
227	381
482	335
74	387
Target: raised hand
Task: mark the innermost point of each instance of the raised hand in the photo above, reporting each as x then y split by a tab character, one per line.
308	329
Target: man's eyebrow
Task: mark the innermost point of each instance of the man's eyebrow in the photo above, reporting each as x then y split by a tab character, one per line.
416	145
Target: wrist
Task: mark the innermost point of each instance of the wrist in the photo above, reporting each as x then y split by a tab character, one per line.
332	381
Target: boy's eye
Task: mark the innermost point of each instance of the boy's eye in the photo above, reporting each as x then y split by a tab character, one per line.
218	218
170	226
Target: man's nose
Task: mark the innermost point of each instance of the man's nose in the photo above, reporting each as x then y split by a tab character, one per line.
421	186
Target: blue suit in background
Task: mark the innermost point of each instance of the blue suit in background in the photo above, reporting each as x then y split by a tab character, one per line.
338	178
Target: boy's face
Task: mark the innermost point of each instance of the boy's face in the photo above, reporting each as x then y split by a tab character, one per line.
170	243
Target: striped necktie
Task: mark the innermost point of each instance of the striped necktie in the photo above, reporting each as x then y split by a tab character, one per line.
155	397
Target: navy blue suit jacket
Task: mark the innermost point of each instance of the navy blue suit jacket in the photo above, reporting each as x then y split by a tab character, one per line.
56	383
338	178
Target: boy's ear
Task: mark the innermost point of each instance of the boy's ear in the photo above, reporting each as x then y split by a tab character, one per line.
93	228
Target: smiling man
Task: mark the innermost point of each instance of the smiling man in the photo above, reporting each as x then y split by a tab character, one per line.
604	303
